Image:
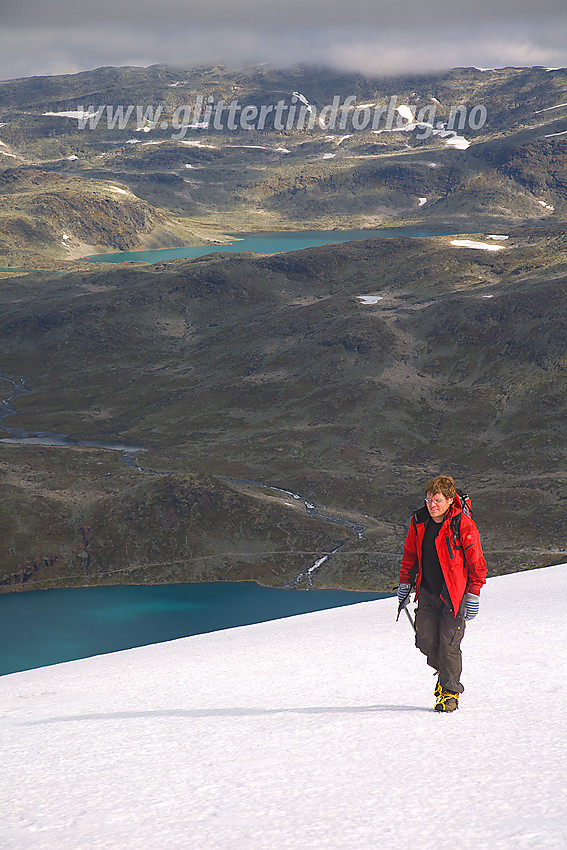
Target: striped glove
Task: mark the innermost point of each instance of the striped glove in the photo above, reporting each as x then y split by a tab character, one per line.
472	602
404	592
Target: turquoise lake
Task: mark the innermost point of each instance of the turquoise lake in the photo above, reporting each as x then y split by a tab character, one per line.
39	628
265	243
43	627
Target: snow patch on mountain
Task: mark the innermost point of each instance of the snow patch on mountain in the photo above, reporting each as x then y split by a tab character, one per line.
472	243
369	299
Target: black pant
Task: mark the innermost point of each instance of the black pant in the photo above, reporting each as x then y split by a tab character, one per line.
438	635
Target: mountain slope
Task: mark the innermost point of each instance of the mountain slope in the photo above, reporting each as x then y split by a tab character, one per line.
45	215
234	372
272	369
486	149
309	732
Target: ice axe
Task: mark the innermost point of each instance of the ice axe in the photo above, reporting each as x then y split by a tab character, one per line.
403	604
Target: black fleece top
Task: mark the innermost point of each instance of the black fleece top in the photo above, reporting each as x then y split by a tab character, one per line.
432	576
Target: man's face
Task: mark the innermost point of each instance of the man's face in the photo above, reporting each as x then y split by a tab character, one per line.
437	505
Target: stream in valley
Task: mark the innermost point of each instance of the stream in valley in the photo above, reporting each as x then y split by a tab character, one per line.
21	436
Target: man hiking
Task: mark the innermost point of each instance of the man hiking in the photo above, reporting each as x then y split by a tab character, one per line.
443	554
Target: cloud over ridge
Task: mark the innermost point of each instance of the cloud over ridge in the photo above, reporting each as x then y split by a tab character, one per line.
60	36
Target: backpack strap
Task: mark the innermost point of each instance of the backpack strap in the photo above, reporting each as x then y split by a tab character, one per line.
456	527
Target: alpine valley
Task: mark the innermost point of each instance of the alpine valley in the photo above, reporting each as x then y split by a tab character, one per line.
244	416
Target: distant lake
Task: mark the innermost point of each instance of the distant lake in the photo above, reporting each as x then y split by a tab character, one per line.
23	271
265	243
43	627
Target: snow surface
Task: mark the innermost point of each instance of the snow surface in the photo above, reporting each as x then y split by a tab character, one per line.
260	148
472	243
458	142
312	732
549	108
4	145
369	299
303	99
194	144
119	190
405	111
79	114
450	137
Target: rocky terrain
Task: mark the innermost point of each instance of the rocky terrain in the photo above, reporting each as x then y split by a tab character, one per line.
489	152
44	215
247	382
230	370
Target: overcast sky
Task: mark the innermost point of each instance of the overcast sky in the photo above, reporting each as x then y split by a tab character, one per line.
369	36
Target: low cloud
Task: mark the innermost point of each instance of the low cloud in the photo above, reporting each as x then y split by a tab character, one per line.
30	50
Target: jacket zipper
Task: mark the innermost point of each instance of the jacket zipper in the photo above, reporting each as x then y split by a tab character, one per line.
448	545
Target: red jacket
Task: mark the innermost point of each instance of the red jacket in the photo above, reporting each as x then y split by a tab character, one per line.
463	567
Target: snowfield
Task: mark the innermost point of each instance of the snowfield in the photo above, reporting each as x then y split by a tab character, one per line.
79	114
309	733
369	299
471	243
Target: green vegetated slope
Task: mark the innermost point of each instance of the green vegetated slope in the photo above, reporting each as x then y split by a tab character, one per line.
235	369
128	188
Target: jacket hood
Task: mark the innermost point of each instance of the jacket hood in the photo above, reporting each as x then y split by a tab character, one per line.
456	507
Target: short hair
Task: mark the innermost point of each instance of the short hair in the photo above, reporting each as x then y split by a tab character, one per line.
443	484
